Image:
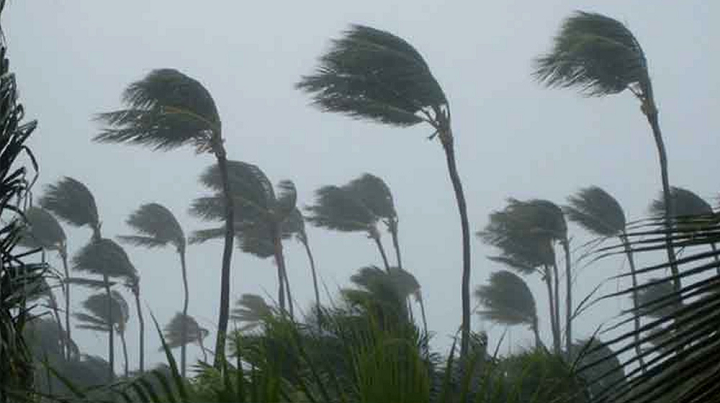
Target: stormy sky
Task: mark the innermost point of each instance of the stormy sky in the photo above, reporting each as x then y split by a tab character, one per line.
513	137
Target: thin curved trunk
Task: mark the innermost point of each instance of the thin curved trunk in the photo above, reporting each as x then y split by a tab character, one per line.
551	301
56	312
556	297
224	314
422	313
393	228
125	354
202	348
183	348
375	235
446	139
312	270
636	303
63	256
141	322
287	289
280	264
568	297
111	336
536	332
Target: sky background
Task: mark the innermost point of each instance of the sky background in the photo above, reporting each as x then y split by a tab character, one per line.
513	137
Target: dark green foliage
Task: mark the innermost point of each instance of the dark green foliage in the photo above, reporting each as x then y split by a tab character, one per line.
685	204
97	317
251	311
383	293
174	331
507	300
104	257
375	194
606	371
597	211
165	110
71	201
653	297
372	74
596	53
157	227
42	231
337	208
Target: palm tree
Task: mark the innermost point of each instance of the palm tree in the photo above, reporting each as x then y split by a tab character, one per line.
688	207
340	209
375	194
98	318
166	110
295	225
252	310
262	213
374	75
157	227
182	330
599	213
601	56
509	301
106	258
44	231
133	284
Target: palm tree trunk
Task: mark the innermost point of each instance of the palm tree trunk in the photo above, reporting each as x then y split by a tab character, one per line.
280	263
312	269
141	321
56	313
446	139
375	235
422	313
393	227
63	256
556	297
536	332
287	289
183	348
111	336
636	303
568	297
125	354
551	300
202	348
224	314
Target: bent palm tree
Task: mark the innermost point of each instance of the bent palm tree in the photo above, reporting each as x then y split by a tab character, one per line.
340	209
600	214
97	316
374	75
295	225
263	212
183	330
509	301
601	56
106	258
156	227
166	110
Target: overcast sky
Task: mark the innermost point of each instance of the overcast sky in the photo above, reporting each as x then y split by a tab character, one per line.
513	138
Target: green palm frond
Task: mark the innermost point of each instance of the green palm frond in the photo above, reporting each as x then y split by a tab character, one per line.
608	373
165	110
374	194
597	54
597	211
252	311
173	331
104	257
157	227
653	296
685	204
507	300
71	201
294	224
387	290
338	209
204	235
372	74
286	200
96	313
42	230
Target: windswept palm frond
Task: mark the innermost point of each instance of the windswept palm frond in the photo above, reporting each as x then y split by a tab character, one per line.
71	201
174	331
597	211
374	75
374	194
653	297
685	204
165	110
42	230
338	209
156	226
251	311
507	300
97	316
597	54
382	292
104	257
607	373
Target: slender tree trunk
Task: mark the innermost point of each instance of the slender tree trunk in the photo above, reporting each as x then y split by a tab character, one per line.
224	314
202	348
63	335
551	300
141	322
536	332
66	284
393	227
636	303
111	336
375	235
125	354
422	313
568	297
446	138
312	269
556	297
183	348
280	263
287	286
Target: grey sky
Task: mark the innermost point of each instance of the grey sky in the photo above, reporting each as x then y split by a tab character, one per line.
513	138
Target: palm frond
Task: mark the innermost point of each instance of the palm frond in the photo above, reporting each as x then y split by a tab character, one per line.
651	298
104	257
374	194
174	335
338	209
97	313
165	110
286	200
42	230
156	225
204	235
71	201
252	311
597	211
686	204
597	54
294	224
507	300
374	75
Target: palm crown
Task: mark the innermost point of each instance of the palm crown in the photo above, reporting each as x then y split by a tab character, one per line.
71	201
156	226
97	316
104	257
42	231
597	211
507	300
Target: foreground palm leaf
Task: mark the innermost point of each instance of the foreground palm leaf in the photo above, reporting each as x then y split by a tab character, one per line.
166	110
601	56
374	75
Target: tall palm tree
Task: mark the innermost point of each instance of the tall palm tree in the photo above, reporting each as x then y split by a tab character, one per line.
374	75
340	209
105	258
182	330
600	214
601	56
509	301
157	227
688	208
166	110
44	231
295	225
98	318
262	213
